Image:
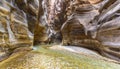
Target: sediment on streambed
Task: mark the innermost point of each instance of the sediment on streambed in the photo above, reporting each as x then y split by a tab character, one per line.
45	58
91	24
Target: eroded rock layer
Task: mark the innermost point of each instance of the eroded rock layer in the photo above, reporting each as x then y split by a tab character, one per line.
86	23
92	24
13	27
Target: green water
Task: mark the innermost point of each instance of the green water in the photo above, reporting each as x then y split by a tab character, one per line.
44	58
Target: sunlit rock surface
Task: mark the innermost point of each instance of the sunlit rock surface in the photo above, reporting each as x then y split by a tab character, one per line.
14	30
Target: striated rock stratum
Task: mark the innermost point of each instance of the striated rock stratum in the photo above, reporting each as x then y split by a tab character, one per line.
91	24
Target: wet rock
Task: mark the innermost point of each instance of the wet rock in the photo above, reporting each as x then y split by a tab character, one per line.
54	58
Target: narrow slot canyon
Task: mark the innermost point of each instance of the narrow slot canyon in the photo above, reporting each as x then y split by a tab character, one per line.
59	34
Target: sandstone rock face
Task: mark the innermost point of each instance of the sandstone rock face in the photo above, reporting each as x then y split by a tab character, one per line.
88	23
14	30
95	27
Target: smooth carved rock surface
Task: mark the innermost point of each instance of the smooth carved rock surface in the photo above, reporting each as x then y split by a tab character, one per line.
14	30
91	24
95	27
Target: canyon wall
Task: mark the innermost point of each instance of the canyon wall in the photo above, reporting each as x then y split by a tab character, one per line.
94	24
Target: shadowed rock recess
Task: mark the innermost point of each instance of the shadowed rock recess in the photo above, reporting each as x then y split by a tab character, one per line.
64	34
